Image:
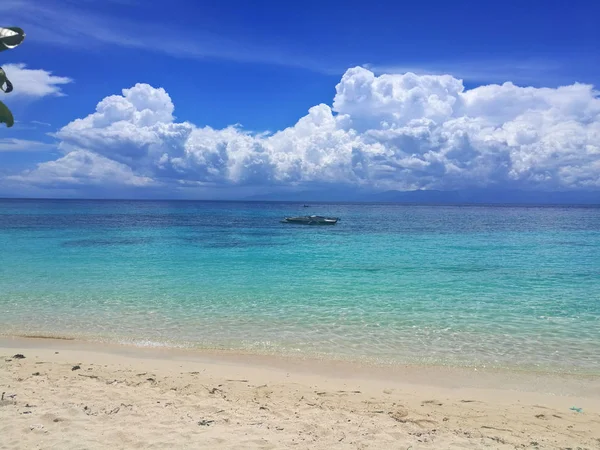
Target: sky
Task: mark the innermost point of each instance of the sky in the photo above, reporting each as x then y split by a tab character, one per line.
226	99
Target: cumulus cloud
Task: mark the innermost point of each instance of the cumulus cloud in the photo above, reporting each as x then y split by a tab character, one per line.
392	131
34	83
82	168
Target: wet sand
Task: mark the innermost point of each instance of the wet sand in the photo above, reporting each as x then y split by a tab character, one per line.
77	395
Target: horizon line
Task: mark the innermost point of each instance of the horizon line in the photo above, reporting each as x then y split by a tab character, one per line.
317	202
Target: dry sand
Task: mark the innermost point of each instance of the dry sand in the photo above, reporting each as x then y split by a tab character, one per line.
73	395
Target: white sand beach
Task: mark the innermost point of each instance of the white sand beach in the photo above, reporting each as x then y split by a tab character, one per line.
76	395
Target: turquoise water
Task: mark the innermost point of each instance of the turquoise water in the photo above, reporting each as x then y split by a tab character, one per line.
512	287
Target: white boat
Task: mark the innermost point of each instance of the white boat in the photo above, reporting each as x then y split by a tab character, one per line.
311	220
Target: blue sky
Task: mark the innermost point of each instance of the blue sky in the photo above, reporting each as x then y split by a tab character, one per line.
265	64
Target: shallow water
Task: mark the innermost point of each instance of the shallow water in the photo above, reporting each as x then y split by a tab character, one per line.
513	287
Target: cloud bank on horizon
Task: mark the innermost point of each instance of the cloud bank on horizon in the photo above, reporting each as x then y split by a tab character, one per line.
392	131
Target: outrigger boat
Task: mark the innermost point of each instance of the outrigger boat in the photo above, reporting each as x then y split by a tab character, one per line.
311	220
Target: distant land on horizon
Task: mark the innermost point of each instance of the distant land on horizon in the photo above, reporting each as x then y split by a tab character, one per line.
480	196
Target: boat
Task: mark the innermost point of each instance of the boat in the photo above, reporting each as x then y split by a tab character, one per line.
311	220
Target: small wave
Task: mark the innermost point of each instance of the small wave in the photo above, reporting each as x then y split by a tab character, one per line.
150	344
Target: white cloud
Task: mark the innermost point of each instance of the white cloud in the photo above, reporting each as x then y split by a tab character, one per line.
82	168
401	131
23	145
37	122
498	70
33	83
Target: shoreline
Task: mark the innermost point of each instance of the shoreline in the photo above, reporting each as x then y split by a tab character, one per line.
445	377
322	358
73	394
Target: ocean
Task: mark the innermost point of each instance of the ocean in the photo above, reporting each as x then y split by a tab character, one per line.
514	288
